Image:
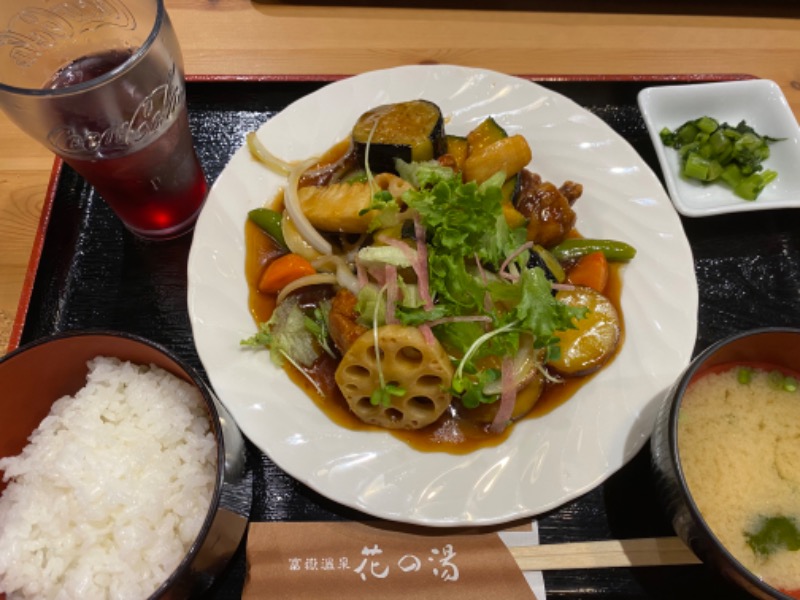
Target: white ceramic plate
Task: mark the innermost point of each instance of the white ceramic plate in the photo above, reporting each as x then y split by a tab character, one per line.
762	105
546	461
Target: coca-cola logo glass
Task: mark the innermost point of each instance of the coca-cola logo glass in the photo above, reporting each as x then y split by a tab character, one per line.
101	83
154	113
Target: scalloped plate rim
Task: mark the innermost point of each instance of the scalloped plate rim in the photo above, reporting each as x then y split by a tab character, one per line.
572	449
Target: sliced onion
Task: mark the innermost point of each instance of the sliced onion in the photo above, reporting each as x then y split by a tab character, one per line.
488	303
481	270
344	275
508	397
260	153
421	265
348	280
292	203
296	242
462	319
328	263
525	368
513	276
410	254
427	334
378	274
566	287
391	294
350	248
330	173
361	273
315	279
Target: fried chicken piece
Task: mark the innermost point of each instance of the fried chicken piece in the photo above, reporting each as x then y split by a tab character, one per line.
548	208
571	190
343	320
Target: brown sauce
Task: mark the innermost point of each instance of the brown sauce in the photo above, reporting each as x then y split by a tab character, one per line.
451	433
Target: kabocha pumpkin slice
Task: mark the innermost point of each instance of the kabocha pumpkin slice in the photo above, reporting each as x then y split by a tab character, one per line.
589	346
458	148
412	131
509	154
490	149
484	135
419	371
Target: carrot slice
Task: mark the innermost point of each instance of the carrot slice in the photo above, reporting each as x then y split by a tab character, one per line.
282	271
590	270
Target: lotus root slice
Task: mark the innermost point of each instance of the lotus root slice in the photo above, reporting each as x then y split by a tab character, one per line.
408	361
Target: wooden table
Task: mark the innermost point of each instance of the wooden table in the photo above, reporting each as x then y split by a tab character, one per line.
270	37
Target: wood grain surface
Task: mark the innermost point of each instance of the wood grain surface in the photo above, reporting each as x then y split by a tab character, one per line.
535	38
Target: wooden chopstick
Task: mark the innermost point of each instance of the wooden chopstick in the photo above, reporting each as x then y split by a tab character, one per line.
613	553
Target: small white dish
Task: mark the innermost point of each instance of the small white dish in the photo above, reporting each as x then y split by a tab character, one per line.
762	105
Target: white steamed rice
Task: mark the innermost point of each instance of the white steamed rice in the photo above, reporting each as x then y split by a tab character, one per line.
111	490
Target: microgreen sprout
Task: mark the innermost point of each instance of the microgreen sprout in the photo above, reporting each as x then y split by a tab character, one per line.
381	199
382	395
458	378
302	371
318	327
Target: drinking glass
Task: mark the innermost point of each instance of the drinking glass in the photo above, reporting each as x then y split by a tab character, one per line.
101	84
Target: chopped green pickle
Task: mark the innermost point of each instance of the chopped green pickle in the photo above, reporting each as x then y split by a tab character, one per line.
712	152
773	534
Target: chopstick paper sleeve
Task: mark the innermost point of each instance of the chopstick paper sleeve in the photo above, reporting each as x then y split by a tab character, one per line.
351	560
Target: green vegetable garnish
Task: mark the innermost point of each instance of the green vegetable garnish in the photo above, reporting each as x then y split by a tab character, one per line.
780	382
460	385
466	232
317	325
270	221
294	334
574	248
744	375
773	534
478	284
713	152
383	394
775	380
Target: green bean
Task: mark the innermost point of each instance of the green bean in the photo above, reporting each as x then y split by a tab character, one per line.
574	248
270	221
